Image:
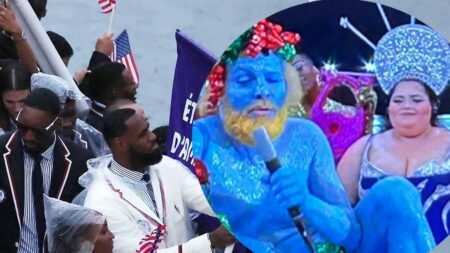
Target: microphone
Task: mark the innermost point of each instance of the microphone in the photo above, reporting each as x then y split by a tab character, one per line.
264	146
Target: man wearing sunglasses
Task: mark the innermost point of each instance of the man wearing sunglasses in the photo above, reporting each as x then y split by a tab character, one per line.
33	161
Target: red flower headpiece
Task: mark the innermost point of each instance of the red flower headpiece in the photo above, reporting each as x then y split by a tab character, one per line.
264	36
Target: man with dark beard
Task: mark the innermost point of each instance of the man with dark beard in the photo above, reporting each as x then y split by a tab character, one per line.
146	197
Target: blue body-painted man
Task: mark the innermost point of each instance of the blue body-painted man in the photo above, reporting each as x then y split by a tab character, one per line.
253	203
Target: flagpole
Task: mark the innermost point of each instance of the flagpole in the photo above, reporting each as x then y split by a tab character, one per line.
111	18
46	55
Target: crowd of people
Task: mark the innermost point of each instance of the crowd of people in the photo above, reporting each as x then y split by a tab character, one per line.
94	181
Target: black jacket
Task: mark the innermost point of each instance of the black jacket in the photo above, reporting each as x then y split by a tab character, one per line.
97	59
95	117
69	164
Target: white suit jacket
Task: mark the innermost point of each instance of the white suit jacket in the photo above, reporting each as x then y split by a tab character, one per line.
176	191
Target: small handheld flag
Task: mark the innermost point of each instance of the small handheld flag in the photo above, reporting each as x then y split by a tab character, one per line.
107	6
122	54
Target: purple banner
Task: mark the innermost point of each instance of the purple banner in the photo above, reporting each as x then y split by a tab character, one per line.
193	66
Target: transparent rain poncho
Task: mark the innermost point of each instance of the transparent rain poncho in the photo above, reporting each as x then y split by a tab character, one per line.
56	84
41	80
71	228
95	140
95	167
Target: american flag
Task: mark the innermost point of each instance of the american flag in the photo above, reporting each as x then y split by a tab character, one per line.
122	54
150	243
107	5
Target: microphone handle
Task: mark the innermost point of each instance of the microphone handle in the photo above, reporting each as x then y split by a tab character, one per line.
294	211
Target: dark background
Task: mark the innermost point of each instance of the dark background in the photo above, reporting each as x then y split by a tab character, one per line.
324	40
322	37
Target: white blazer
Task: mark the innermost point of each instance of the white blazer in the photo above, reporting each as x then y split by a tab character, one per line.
177	191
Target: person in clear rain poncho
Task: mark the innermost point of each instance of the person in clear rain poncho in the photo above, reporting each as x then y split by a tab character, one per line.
75	229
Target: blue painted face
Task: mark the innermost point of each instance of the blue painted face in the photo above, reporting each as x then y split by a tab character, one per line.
256	86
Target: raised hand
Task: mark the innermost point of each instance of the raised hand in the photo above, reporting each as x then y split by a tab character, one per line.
8	22
221	237
105	44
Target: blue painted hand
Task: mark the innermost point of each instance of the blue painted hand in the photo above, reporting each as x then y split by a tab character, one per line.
289	185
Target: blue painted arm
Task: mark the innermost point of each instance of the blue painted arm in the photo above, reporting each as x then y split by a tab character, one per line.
310	181
327	207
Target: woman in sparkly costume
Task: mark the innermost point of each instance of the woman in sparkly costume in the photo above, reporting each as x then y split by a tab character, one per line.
413	67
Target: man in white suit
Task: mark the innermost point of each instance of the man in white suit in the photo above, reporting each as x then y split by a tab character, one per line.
145	196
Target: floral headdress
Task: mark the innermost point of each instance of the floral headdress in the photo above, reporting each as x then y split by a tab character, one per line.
263	36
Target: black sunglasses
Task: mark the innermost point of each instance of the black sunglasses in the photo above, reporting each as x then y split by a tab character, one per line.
24	128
